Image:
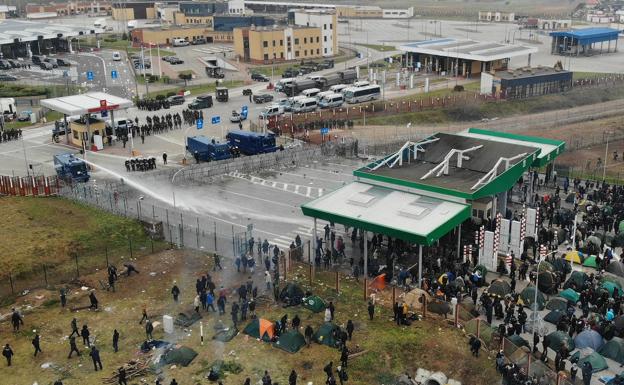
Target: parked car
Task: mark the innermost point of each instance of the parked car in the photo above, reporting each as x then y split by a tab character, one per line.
237	116
175	60
166	58
46	66
36	59
259	77
247	91
5	65
7	78
201	102
63	62
290	73
24	116
175	100
201	40
262	98
14	63
116	56
51	61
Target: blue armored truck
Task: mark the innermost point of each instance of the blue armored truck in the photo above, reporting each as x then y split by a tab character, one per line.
70	168
205	149
251	143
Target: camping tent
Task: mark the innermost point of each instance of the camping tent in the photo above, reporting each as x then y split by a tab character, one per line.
291	294
570	295
325	334
562	266
187	318
610	287
588	339
574	257
557	340
618	322
499	288
413	299
379	282
314	303
260	328
518	341
616	267
577	278
554	316
557	303
613	349
225	335
527	296
597	362
591	261
178	356
291	341
547	282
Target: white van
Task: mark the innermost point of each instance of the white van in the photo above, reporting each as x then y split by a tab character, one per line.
116	56
314	77
180	43
305	105
310	92
279	86
272	110
338	88
361	83
331	101
321	95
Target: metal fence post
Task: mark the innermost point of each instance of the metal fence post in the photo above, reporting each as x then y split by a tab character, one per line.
233	247
106	254
197	232
45	274
130	244
215	236
76	259
153	212
11	282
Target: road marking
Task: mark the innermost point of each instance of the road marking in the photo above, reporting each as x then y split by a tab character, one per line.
320	192
297	189
309	191
273	184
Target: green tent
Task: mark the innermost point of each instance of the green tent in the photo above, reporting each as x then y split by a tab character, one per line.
558	339
610	287
291	341
260	328
613	349
518	341
178	356
597	361
225	335
621	227
528	296
577	278
557	303
554	316
570	295
325	334
314	303
591	261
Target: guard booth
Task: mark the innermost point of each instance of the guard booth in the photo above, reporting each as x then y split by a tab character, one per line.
222	94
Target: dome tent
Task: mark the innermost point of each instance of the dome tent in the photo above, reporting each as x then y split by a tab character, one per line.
314	303
326	334
260	328
291	341
613	349
588	339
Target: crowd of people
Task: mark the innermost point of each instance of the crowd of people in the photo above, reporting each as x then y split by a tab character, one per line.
9	135
140	164
152	104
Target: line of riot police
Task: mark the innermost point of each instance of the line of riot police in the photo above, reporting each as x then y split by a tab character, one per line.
140	164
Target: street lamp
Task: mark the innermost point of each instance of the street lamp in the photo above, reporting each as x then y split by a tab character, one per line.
173	186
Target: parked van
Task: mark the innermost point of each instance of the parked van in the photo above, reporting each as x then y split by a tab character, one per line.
331	101
305	105
279	87
338	88
361	83
180	43
321	95
310	92
270	111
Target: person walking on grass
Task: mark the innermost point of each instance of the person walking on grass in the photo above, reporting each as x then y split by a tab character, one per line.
95	356
36	344
7	352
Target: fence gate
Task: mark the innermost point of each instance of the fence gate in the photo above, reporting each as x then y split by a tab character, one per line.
240	244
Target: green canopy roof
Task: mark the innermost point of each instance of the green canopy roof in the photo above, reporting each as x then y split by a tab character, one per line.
408	216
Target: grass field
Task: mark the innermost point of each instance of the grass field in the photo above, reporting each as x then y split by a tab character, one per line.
12	90
50	230
379	47
392	350
198	89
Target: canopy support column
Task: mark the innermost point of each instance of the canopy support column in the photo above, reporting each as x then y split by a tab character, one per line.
459	241
315	240
365	236
420	267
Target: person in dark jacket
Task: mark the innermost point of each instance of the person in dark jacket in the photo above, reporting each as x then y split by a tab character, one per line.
35	343
16	320
149	328
115	341
84	333
292	379
7	352
72	347
350	328
175	291
95	356
121	375
94	300
371	310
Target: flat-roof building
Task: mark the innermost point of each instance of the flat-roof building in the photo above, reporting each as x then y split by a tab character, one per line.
526	82
463	57
584	41
324	19
273	44
164	36
497	16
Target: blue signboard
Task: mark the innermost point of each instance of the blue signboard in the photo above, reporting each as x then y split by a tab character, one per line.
245	109
324	130
216	119
89	75
114	74
244	112
104	113
200	124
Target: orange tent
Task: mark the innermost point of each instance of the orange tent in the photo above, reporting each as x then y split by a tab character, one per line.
267	327
379	282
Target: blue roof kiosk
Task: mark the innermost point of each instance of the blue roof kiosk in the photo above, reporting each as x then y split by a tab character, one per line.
584	41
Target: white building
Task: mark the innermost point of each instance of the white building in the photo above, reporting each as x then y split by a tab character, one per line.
324	19
405	13
236	7
496	16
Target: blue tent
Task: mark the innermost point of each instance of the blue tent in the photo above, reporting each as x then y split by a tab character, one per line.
588	339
